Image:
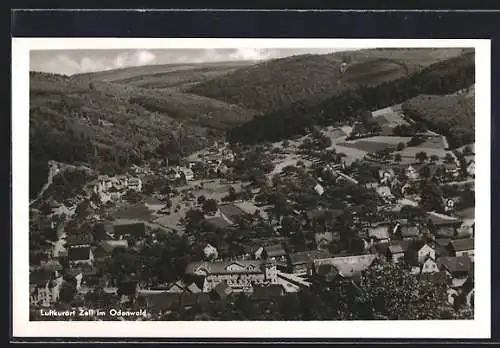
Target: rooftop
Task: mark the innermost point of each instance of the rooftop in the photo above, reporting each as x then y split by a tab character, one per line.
462	244
224	267
349	266
458	264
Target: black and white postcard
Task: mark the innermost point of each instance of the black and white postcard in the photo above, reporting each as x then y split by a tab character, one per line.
269	187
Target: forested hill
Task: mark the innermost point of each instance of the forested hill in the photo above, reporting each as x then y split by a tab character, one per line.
278	83
74	120
440	78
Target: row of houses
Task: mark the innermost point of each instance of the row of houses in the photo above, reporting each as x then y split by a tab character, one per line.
114	187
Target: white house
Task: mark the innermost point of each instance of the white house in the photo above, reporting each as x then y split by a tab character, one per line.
471	168
411	173
210	252
319	189
426	252
430	266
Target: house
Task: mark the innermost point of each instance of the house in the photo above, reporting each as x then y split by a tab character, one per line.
429	266
193	288
323	239
379	232
273	252
411	173
462	247
210	252
221	290
80	255
79	240
346	267
240	275
396	251
302	262
386	175
471	168
384	192
134	184
319	189
314	215
126	227
443	226
177	287
425	252
456	266
405	231
218	223
268	292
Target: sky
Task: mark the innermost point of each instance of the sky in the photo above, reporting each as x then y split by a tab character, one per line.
69	62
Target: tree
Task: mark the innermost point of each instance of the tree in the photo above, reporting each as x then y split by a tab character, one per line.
210	206
285	143
400	147
434	158
448	158
467	151
201	200
397	158
389	290
431	196
421	156
132	196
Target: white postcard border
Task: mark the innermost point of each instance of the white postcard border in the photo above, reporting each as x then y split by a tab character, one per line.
478	328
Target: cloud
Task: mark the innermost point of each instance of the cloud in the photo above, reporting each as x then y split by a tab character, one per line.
82	61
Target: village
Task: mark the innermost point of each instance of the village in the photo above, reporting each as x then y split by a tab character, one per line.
263	221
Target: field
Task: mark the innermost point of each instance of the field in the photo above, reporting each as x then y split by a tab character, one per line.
374	144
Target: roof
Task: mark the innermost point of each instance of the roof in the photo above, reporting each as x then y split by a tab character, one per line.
193	288
442	220
217	222
379	232
132	227
399	247
224	267
231	211
247	207
349	266
443	241
409	231
445	231
462	244
308	256
222	289
79	253
79	239
111	244
318	213
455	264
267	292
275	250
